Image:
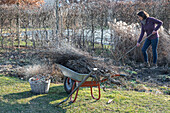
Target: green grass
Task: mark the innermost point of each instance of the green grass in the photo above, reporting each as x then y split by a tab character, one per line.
24	29
6	42
15	97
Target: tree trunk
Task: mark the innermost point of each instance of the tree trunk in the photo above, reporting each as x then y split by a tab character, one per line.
61	23
2	41
57	24
92	25
33	40
102	36
26	37
68	32
93	35
12	41
83	39
18	25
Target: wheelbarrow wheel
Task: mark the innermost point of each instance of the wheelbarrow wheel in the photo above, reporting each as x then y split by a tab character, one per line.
68	84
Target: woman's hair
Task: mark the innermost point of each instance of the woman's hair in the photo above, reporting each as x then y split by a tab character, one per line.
143	14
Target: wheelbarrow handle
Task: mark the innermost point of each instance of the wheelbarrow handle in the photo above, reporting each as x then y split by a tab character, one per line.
121	75
76	88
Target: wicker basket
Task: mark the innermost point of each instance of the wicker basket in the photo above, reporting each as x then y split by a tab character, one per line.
39	87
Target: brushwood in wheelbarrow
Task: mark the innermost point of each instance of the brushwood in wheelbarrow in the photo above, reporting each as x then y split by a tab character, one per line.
84	80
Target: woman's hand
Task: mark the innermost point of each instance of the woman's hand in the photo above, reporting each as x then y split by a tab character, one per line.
154	32
138	44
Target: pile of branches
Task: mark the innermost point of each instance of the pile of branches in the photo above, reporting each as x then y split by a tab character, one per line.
75	59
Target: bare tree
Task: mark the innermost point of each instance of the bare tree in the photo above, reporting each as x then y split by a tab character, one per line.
19	4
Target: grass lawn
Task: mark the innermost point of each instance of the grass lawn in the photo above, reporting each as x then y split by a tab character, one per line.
15	97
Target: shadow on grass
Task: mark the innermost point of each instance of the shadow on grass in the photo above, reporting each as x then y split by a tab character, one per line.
16	96
29	102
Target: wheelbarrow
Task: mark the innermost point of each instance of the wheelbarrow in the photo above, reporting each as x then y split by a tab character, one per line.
73	81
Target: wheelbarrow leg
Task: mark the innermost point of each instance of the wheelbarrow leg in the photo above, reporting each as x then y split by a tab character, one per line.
92	92
76	88
72	94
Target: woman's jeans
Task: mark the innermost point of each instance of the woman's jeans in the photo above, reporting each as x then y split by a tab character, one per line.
154	43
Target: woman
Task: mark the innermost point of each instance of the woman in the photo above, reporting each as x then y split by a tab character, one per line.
148	26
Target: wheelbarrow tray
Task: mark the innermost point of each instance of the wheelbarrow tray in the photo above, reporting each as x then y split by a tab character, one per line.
72	74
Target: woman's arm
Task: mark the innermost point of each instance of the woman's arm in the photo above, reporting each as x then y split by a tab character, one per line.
141	35
156	21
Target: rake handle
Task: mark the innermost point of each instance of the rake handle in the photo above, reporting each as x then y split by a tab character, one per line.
133	48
